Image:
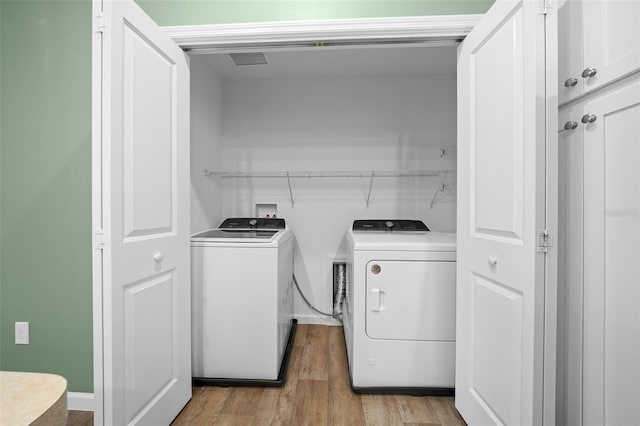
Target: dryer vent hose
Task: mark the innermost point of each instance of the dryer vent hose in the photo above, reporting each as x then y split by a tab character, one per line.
295	281
339	287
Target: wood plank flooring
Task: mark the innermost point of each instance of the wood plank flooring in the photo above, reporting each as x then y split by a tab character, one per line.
316	393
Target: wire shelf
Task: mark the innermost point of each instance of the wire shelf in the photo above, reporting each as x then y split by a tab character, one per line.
444	192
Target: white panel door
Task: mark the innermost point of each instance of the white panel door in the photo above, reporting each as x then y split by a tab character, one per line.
145	198
611	357
504	95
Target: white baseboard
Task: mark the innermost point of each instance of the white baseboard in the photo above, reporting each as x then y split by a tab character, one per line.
315	319
80	401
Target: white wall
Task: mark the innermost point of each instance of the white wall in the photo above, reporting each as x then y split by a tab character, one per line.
382	123
206	132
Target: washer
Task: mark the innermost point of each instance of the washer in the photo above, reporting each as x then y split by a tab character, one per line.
242	300
399	320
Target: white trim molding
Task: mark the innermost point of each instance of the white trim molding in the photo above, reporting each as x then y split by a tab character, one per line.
80	401
298	34
316	319
224	38
96	398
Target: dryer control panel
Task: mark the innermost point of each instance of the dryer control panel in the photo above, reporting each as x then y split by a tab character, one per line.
389	225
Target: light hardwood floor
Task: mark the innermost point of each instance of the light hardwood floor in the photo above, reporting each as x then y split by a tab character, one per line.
316	393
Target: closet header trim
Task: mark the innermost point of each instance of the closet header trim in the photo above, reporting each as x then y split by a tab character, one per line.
264	36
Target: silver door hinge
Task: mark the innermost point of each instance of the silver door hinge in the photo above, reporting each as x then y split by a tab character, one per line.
100	23
98	240
544	241
546	5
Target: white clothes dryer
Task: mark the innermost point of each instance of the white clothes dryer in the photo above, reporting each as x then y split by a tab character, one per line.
242	302
399	315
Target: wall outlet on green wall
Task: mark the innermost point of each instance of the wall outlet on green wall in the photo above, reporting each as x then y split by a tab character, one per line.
22	333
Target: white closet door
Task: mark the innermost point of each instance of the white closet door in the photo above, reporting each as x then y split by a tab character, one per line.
611	362
145	199
503	102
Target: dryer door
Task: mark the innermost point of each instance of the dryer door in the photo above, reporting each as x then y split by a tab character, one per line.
411	300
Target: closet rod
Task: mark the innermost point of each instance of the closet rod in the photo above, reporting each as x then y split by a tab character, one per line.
328	174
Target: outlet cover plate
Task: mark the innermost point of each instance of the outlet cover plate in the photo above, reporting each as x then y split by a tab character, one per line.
22	333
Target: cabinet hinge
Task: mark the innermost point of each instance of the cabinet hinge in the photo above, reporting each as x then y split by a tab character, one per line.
546	5
100	23
544	241
98	240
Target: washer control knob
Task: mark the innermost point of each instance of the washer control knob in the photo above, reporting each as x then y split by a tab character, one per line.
253	222
388	224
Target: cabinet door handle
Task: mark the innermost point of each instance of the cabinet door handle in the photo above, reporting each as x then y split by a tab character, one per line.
589	72
589	118
570	82
570	125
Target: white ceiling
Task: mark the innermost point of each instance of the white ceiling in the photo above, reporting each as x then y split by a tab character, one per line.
329	62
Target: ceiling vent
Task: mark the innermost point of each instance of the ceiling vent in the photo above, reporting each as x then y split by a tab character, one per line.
252	58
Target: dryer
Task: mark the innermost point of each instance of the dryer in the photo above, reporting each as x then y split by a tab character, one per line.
399	315
242	302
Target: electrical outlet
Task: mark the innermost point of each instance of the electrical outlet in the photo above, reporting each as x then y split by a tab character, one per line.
22	333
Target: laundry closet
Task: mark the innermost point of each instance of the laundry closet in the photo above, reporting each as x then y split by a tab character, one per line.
322	136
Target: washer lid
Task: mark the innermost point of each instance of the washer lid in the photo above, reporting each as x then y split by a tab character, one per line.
242	237
249	234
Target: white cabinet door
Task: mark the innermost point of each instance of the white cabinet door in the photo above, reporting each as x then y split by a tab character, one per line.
505	92
603	35
570	51
144	152
611	358
611	40
570	265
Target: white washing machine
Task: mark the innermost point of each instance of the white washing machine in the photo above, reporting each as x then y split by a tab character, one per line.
242	302
399	315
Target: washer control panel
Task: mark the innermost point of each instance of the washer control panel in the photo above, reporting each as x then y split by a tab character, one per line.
252	223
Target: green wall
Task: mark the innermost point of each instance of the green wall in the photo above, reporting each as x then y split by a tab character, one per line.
45	224
185	12
45	159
